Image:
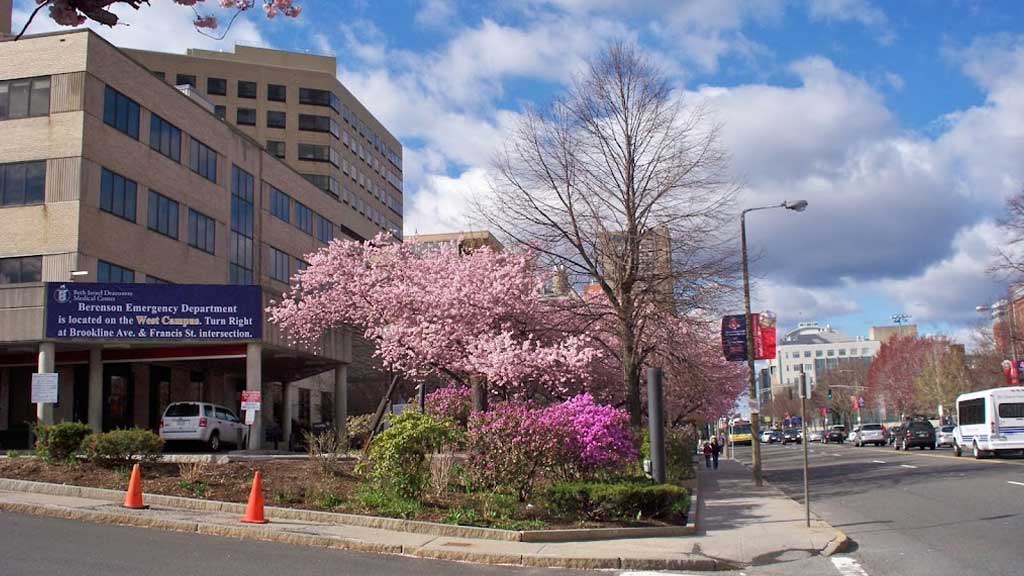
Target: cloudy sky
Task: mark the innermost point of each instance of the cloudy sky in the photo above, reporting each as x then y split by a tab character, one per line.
902	123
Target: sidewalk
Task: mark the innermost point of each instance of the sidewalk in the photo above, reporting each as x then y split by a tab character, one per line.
739	526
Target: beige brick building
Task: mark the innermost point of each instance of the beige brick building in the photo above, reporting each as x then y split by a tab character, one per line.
109	174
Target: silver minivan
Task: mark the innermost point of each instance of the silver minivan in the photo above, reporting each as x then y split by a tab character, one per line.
209	424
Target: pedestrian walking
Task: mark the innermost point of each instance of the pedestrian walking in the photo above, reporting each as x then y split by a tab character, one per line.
707	454
716	449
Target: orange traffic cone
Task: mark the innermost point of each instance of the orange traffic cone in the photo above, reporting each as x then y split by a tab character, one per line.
133	497
254	510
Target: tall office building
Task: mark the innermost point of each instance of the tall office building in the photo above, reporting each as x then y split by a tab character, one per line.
294	105
817	349
142	236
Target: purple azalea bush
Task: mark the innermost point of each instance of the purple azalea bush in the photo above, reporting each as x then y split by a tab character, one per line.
517	444
454	402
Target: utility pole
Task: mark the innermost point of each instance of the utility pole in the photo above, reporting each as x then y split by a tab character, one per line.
804	393
656	422
755	416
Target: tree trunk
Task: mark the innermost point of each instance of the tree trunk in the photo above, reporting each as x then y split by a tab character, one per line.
479	387
631	368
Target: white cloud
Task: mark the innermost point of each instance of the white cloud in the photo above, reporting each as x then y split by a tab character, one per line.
795	304
162	26
442	203
862	11
436	13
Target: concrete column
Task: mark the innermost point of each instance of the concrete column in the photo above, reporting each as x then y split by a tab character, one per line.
341	403
96	389
254	381
44	412
286	413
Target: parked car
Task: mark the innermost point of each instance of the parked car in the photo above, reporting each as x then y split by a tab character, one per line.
792	435
814	436
919	433
209	424
944	436
776	437
869	434
836	434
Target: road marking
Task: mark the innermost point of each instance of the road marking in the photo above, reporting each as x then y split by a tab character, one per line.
652	573
907	466
1017	483
848	566
951	457
879	461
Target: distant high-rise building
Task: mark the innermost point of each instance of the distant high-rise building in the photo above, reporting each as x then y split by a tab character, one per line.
817	349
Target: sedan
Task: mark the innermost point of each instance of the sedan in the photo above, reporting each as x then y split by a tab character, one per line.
814	436
837	434
775	437
792	435
944	436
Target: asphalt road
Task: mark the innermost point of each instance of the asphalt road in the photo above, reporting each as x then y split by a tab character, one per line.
915	512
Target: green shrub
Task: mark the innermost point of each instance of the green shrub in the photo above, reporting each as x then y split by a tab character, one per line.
123	447
358	429
617	501
398	456
680	446
387	503
60	441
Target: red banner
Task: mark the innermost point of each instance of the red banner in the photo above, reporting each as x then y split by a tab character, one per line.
764	335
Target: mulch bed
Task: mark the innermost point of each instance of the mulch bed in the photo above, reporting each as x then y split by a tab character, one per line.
287	483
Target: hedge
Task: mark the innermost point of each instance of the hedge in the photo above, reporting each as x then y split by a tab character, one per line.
60	441
122	447
600	501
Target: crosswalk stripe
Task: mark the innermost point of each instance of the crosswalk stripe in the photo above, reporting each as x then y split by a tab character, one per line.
848	566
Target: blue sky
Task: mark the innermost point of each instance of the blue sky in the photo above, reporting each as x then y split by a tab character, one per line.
902	123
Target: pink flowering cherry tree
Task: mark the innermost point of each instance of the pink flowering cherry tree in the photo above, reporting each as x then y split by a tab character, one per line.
77	12
433	312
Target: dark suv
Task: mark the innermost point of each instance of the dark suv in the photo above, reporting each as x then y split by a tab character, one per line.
918	433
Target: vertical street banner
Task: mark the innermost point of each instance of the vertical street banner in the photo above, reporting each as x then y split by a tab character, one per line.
734	336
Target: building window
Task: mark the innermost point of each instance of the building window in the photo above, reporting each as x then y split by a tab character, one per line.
326	183
276	148
20	270
831	352
318	153
276	119
150	279
324	229
201	231
818	353
807	353
314	123
246	89
202	160
217	86
863	351
303	218
183	79
220	111
842	351
117	195
305	407
280	204
277	93
165	138
107	272
22	183
121	112
246	117
241	226
24	98
315	97
278	265
163	215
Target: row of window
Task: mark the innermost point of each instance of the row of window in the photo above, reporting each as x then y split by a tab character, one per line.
24	98
830	352
19	270
118	196
122	113
289	210
281	265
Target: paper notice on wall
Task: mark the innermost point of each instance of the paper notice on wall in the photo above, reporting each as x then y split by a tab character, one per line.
44	388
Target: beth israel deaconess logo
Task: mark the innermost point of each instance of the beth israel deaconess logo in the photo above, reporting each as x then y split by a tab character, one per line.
62	294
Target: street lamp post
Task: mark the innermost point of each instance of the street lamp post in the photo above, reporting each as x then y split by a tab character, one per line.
900	319
755	440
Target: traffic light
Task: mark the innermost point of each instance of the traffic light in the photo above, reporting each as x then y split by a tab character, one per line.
829	393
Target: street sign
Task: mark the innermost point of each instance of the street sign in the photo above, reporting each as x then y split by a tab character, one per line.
45	388
860	402
250	417
251	400
824	411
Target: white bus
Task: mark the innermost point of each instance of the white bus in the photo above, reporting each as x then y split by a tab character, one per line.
990	422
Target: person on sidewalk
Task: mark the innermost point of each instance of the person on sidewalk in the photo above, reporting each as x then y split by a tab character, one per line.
716	449
707	454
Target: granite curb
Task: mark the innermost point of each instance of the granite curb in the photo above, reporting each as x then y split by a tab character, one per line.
256	533
396	524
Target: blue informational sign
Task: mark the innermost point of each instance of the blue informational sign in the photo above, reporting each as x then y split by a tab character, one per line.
165	312
734	337
796	421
